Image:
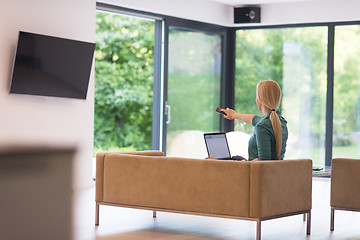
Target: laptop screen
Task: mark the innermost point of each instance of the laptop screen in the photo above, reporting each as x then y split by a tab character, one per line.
217	145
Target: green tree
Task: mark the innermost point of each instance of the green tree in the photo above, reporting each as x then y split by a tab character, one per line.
123	82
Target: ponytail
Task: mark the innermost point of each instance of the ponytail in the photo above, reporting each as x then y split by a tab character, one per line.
276	125
269	94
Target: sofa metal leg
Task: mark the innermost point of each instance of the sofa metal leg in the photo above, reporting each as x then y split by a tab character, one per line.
97	214
308	227
258	229
304	217
332	219
154	214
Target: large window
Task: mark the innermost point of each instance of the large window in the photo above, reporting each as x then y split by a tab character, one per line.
123	83
296	58
317	68
346	119
194	81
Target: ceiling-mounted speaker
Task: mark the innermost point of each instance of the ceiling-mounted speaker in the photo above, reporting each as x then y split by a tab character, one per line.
247	15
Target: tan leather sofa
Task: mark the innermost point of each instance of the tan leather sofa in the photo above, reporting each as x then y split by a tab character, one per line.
345	183
254	191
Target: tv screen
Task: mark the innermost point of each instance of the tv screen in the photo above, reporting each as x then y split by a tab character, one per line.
51	66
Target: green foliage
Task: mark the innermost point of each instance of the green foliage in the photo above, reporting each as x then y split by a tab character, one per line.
347	86
296	59
123	82
195	98
114	149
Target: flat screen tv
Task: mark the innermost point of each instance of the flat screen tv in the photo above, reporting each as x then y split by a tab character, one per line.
51	66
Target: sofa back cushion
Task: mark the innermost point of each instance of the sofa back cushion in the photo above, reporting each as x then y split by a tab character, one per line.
193	185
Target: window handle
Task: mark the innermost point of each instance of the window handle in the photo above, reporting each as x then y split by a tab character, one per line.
168	113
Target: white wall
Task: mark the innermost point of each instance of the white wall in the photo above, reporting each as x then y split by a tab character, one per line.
35	120
307	11
199	10
310	11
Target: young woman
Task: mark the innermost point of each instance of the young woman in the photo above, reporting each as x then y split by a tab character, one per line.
268	141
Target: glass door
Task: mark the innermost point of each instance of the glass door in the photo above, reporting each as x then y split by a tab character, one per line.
193	91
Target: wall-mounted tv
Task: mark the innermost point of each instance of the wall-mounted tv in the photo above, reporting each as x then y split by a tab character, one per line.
51	66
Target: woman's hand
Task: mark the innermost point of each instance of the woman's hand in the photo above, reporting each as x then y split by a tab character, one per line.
230	114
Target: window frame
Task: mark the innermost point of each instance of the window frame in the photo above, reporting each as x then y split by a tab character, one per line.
330	74
162	26
227	95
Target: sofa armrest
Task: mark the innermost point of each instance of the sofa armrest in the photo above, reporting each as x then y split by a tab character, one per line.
280	187
100	168
345	182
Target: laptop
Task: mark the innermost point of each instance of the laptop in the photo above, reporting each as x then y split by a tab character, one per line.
217	146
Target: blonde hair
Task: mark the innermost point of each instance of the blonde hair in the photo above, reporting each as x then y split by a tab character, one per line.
268	92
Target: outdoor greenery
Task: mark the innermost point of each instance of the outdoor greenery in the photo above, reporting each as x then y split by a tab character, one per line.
346	92
123	83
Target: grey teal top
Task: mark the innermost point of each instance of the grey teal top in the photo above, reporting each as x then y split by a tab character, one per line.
262	142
